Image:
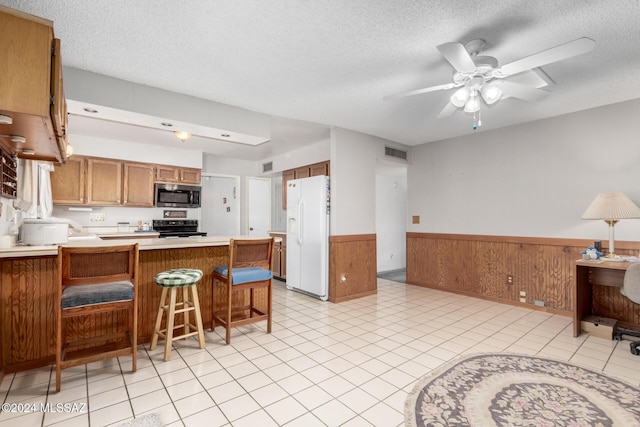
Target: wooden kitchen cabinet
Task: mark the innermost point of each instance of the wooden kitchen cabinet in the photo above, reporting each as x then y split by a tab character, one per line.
167	173
286	177
138	184
68	182
104	182
98	181
176	174
280	256
190	176
31	87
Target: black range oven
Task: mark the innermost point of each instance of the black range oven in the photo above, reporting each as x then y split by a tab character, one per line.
177	227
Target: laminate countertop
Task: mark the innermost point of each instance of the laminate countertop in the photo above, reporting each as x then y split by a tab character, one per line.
145	244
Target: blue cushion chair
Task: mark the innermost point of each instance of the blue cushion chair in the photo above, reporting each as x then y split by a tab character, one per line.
93	281
170	281
248	269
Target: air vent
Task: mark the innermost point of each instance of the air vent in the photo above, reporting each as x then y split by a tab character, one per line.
394	152
267	167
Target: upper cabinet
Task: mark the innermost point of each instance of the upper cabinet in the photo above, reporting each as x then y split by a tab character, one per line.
104	182
138	184
110	182
31	88
68	182
178	175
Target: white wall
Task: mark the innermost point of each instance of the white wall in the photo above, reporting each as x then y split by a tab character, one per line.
307	155
534	179
353	175
391	225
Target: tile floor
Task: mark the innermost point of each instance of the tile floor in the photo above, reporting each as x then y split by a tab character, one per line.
348	364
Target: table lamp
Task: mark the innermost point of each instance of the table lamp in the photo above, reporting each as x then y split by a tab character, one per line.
611	207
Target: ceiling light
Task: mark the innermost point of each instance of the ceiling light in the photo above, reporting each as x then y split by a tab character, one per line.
90	110
460	97
473	103
490	93
182	136
5	120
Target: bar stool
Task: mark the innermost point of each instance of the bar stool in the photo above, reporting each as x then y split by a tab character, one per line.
170	281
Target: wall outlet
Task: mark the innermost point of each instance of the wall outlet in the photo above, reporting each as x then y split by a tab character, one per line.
523	299
509	279
96	217
523	293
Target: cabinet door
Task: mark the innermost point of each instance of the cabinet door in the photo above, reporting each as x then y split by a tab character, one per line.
68	182
167	173
190	176
302	172
319	169
104	182
26	63
138	184
276	260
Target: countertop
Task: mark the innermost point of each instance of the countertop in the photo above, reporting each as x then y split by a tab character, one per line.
144	244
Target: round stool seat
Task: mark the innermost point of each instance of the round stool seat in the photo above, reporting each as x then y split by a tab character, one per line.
178	277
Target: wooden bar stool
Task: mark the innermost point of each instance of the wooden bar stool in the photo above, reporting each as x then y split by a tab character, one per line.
171	281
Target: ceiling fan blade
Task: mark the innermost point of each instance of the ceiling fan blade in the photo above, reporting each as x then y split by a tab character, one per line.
457	56
558	53
519	91
447	111
423	90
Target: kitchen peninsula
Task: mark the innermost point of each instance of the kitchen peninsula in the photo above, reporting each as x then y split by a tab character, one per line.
28	281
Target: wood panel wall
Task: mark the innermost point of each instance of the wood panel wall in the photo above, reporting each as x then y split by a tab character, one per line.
544	268
353	256
27	296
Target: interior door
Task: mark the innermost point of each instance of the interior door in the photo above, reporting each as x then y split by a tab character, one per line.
258	206
220	204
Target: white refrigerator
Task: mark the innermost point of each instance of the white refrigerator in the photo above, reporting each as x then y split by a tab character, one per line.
308	208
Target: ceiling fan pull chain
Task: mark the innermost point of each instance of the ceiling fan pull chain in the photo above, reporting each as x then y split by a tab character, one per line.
477	121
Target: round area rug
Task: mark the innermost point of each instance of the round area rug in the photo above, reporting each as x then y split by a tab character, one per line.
517	390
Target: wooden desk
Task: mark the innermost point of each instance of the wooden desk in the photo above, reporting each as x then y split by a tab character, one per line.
589	273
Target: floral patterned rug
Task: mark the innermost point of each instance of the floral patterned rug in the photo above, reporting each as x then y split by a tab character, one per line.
515	390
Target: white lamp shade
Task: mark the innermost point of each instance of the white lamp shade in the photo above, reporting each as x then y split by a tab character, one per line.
611	206
491	93
460	97
473	103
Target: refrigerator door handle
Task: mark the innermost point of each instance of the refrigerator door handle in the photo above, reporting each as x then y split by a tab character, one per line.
300	221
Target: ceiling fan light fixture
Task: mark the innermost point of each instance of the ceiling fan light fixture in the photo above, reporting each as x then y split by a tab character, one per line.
460	97
473	103
491	93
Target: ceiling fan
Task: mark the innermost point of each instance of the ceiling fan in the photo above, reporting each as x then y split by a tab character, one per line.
481	78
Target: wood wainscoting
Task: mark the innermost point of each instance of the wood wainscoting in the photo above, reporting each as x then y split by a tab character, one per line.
27	297
354	257
480	266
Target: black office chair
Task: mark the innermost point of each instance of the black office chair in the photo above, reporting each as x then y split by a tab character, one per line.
631	289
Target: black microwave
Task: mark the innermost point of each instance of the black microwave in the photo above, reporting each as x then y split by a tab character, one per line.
177	196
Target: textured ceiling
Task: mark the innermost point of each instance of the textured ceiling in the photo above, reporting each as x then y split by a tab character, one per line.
332	62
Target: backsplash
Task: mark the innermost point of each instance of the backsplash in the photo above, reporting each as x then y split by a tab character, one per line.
114	215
